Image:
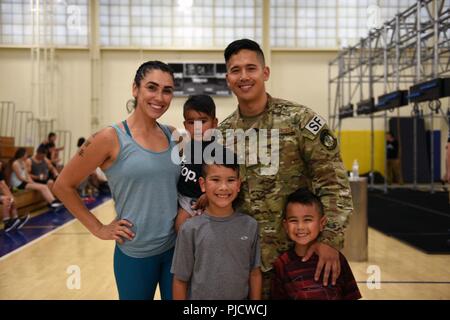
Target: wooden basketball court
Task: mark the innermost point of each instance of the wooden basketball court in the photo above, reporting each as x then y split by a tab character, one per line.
45	268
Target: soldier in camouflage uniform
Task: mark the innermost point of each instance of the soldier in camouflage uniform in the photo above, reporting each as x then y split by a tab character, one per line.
308	156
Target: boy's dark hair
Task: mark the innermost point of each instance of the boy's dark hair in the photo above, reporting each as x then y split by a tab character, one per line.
51	135
242	44
305	197
42	149
200	103
223	157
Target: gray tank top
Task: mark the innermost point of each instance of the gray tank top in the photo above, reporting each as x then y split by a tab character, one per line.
144	187
38	168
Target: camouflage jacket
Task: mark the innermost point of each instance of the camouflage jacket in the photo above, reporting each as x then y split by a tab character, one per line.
308	157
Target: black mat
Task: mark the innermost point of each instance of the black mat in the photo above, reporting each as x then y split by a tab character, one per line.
418	218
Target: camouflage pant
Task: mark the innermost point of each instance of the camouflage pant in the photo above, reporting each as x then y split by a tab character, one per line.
266	284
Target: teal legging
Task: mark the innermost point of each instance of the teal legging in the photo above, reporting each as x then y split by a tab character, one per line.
136	278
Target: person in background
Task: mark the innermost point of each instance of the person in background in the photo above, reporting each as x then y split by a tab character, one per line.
11	219
39	168
21	180
53	151
394	170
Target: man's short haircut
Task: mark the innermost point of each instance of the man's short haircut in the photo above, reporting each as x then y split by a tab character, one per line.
42	149
51	134
200	103
247	44
305	197
225	157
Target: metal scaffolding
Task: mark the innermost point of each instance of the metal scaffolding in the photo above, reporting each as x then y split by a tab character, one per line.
412	47
43	62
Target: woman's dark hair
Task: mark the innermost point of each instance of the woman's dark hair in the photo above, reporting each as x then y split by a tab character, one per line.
247	44
19	153
142	71
149	66
2	167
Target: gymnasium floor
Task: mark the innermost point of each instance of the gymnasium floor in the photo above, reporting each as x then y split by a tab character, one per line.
43	268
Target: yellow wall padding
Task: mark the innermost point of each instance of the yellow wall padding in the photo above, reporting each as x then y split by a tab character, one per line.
356	145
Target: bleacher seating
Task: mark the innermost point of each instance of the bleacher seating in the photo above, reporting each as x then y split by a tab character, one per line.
26	200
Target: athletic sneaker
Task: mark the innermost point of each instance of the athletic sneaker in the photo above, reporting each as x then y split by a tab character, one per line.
89	199
22	221
10	224
55	204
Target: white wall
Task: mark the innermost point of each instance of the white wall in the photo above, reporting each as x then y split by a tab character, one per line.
119	68
300	76
72	87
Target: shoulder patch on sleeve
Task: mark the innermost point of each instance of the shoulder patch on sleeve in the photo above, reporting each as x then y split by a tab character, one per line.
315	124
328	140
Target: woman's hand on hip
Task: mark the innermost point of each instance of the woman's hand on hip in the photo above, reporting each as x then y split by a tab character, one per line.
118	230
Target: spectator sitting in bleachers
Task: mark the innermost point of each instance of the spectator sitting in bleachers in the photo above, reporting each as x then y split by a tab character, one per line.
52	150
99	181
22	181
11	220
39	168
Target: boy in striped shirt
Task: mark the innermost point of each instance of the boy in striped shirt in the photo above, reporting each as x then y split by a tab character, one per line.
294	278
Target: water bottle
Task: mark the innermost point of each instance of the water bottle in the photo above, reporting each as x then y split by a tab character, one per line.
355	170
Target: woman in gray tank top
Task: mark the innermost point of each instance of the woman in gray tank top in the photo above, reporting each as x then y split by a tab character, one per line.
138	159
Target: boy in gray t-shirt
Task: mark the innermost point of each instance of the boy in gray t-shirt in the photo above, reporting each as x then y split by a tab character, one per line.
217	254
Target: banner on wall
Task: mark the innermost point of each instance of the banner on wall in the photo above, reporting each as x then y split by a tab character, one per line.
200	78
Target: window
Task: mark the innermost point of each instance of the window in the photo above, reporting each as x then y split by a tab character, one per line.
328	23
44	22
156	23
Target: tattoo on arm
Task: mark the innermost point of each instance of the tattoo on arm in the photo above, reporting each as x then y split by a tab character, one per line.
85	145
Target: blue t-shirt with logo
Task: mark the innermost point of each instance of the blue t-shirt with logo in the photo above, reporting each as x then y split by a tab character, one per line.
191	169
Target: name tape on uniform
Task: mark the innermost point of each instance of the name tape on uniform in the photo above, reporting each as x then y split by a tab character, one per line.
315	124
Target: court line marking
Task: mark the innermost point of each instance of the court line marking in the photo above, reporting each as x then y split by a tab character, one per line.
406	282
422	233
48	233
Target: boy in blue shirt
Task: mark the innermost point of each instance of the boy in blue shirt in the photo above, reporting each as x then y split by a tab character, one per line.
199	112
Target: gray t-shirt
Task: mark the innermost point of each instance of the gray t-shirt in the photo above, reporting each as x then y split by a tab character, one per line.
215	255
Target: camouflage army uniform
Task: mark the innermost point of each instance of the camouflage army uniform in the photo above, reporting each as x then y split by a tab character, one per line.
308	157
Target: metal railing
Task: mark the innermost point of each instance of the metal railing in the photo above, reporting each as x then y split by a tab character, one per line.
7	114
43	128
30	131
24	128
64	139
